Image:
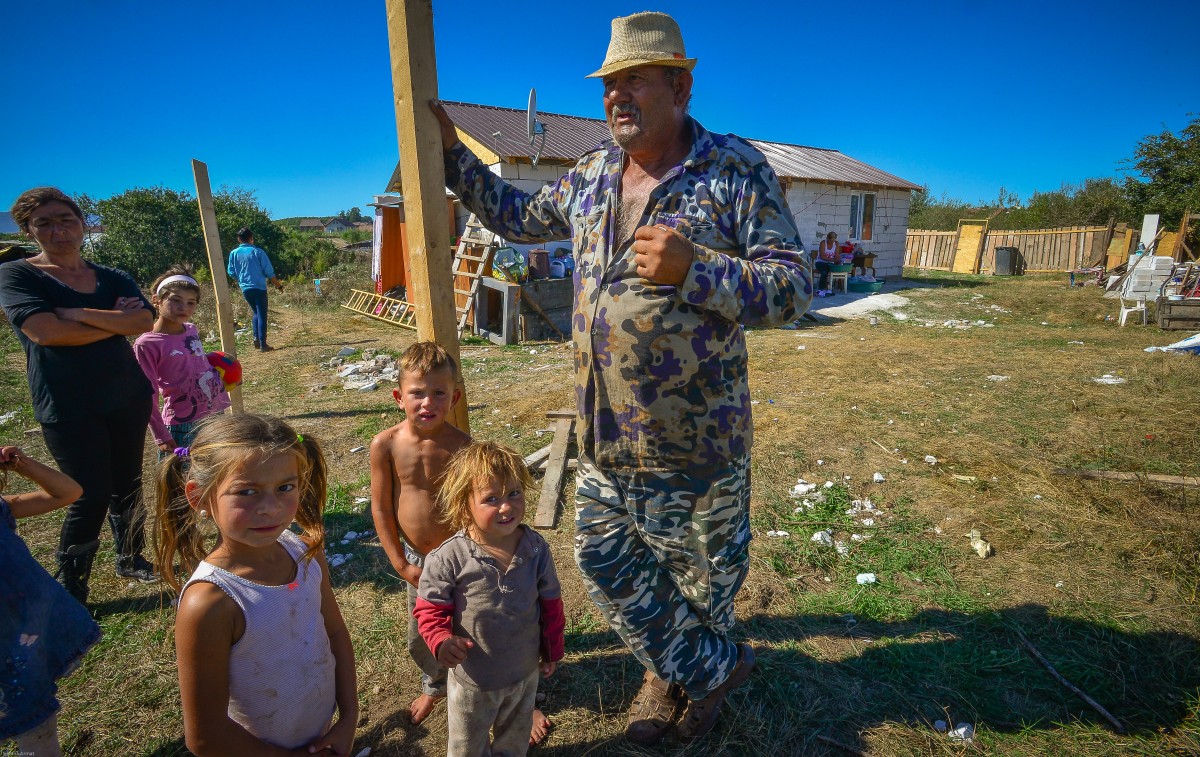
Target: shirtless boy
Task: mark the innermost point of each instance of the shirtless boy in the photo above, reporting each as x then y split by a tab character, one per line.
407	462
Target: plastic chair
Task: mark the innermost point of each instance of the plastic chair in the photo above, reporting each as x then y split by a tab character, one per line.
1139	287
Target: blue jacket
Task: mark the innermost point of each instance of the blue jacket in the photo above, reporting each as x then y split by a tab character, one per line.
250	266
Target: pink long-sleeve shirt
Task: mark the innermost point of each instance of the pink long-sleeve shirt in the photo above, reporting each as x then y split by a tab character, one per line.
191	388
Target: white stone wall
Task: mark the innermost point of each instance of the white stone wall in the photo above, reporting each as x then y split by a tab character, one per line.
822	208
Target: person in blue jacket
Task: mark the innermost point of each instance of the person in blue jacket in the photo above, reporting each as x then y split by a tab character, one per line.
252	269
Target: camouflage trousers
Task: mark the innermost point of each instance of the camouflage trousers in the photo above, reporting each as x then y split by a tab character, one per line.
663	555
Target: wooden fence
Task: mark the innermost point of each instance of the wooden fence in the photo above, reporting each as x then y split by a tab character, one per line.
1041	250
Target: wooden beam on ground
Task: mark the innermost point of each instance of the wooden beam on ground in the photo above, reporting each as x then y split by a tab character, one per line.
216	266
556	415
536	459
1112	475
556	468
414	85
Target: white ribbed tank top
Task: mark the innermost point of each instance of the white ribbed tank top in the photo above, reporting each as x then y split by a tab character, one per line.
281	672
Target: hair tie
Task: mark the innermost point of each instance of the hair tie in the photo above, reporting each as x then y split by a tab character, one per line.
182	452
176	279
300	438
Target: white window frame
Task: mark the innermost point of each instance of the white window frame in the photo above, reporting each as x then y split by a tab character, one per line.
858	202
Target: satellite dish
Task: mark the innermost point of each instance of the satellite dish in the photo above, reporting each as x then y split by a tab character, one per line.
534	127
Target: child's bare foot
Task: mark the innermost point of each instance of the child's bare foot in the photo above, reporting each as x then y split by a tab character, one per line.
541	728
424	704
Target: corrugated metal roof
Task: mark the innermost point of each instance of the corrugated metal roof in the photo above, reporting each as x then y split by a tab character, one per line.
569	137
820	164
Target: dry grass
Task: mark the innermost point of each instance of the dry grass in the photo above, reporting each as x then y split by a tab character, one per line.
1101	576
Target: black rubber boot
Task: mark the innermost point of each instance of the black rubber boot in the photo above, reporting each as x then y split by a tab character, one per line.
75	568
130	540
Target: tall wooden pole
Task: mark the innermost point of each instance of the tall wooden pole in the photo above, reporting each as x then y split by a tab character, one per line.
423	176
216	266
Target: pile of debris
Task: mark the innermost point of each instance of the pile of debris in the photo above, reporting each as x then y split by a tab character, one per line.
368	374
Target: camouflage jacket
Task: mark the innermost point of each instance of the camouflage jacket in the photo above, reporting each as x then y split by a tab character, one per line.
660	371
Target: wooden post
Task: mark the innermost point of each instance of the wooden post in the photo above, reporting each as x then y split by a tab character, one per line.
216	267
423	179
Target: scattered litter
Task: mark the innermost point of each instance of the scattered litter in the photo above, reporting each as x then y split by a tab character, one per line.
1058	584
820	462
337	561
1074	341
904	461
801	488
800	347
965	479
931	459
7	417
827	579
1108	378
859	537
1037	496
355	450
824	538
753	402
533	352
1045	323
878	478
345	352
778	534
997	378
361	500
940	726
981	546
846	477
865	578
369	386
868	522
842	547
890	421
1191	344
349	370
963	733
366	751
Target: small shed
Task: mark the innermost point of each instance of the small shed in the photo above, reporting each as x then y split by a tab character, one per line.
312	224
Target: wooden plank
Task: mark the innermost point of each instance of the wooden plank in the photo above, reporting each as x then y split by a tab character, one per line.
556	468
423	177
216	266
565	413
535	459
1112	475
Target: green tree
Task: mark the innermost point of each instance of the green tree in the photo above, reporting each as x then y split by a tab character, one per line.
307	254
1168	173
146	230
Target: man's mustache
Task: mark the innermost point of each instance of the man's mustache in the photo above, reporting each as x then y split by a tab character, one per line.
625	110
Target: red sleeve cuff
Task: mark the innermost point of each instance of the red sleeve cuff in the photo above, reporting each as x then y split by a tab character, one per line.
435	622
553	623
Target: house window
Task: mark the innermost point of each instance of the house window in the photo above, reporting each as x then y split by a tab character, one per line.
862	216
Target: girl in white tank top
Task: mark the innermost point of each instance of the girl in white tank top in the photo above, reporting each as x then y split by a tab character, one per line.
264	656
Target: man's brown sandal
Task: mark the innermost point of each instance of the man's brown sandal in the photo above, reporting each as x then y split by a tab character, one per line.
701	714
653	711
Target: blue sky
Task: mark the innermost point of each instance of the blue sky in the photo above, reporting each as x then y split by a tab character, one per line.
294	101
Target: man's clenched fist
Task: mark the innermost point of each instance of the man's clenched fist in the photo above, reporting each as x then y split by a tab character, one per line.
662	254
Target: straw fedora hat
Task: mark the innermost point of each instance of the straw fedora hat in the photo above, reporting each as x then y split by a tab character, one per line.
644	39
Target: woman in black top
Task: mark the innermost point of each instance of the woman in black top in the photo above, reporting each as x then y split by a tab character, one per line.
89	394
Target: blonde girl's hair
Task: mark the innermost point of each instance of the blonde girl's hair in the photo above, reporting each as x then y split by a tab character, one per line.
179	269
222	443
472	466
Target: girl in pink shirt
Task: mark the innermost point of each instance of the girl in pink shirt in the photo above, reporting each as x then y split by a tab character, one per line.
172	357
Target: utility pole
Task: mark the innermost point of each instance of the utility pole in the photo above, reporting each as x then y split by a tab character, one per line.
426	220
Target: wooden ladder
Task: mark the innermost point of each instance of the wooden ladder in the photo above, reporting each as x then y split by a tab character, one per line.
386	309
476	246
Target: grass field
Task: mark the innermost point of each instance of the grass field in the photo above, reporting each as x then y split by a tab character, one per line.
992	377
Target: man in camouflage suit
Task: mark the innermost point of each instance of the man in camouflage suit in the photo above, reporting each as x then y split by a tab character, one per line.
681	237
